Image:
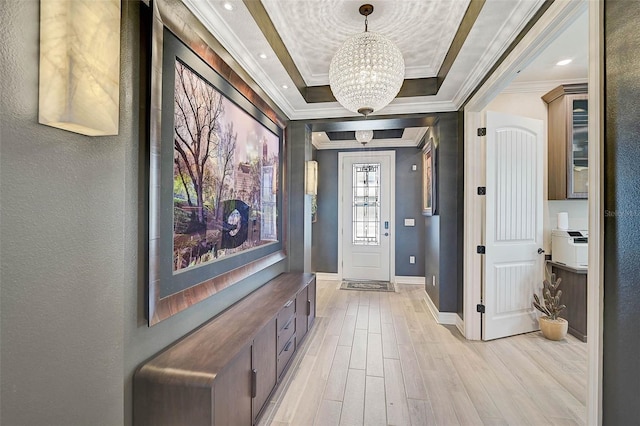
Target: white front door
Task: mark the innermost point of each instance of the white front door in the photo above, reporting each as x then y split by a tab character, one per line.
514	228
366	230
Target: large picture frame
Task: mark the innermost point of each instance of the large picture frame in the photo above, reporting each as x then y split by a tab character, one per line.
429	179
215	212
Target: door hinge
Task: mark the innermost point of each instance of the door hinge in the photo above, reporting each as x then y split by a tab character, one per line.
482	131
480	308
482	190
481	249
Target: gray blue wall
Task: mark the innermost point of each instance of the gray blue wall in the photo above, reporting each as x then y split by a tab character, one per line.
621	373
443	253
299	150
324	234
408	192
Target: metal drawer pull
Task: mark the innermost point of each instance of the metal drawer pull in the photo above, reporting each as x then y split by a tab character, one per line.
254	383
286	348
286	327
286	305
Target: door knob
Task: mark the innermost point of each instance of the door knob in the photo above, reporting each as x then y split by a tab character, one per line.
386	234
540	251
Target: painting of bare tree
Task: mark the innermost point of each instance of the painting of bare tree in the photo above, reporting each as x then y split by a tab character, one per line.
225	172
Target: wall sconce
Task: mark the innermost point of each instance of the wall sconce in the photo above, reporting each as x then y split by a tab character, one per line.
311	178
80	65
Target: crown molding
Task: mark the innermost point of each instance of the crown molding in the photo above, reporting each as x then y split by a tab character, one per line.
219	28
539	86
411	138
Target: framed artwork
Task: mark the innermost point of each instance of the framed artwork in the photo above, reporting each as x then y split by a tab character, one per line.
215	197
428	179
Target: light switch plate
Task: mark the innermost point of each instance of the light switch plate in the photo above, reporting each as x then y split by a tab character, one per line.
409	222
414	167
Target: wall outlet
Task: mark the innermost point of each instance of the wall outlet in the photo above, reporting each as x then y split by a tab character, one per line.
414	167
412	259
433	280
409	222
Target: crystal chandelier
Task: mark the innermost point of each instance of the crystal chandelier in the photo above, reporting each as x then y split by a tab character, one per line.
364	136
367	71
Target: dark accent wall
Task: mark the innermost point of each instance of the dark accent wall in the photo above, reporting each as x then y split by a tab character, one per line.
621	370
409	240
408	193
299	150
325	229
460	210
443	251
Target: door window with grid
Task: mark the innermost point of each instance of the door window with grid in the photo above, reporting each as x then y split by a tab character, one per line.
366	204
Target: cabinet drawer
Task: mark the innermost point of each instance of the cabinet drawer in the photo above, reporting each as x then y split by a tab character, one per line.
286	313
285	356
286	332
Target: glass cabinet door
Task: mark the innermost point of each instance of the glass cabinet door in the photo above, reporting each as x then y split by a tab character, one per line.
578	165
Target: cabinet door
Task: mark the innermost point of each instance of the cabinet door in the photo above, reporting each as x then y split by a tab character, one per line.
264	366
577	146
312	303
232	392
574	295
301	314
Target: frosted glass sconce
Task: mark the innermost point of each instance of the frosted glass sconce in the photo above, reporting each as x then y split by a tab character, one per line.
80	65
311	178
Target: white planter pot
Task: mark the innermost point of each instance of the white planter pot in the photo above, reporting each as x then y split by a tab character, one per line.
553	329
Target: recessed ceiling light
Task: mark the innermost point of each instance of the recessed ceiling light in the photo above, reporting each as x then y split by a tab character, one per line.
284	86
263	56
227	5
564	62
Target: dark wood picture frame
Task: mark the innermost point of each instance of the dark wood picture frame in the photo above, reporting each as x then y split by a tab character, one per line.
176	35
429	179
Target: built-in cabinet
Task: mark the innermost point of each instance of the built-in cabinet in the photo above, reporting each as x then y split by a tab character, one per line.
306	316
574	295
224	372
568	141
264	377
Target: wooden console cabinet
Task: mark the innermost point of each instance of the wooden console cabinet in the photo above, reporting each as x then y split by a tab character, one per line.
224	372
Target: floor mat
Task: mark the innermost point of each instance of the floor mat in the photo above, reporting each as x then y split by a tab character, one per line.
367	285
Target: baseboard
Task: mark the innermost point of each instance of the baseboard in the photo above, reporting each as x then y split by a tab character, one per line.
448	318
327	276
399	279
460	324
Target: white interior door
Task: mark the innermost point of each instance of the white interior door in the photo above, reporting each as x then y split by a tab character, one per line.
366	179
514	228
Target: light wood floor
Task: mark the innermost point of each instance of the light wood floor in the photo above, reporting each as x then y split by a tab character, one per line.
378	358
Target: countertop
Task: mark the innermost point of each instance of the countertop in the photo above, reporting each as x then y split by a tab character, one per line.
582	271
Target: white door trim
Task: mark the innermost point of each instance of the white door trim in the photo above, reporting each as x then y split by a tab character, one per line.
392	207
595	274
552	23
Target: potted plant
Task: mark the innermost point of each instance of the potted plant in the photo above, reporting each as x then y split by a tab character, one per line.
552	327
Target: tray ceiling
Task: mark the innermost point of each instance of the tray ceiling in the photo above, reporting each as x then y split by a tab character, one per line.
314	31
311	32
